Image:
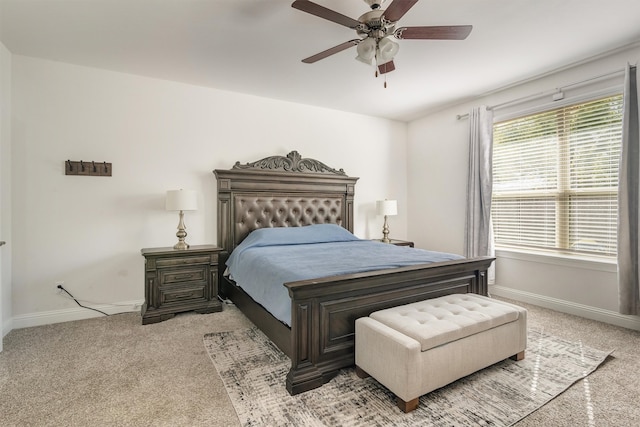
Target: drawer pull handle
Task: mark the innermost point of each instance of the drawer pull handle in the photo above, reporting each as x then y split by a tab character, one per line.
182	296
183	276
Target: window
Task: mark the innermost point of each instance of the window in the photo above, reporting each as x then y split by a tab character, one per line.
555	178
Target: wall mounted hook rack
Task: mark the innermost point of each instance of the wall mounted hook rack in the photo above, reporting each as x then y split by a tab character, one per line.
83	168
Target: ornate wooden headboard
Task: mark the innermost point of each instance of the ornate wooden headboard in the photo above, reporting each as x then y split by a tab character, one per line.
280	191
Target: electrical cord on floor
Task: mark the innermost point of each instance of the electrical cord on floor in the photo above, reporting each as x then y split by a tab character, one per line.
225	300
77	302
86	301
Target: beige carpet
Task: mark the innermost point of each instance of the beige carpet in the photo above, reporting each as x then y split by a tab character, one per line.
254	371
113	371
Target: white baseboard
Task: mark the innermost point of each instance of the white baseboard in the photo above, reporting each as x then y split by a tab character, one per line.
7	326
76	313
593	313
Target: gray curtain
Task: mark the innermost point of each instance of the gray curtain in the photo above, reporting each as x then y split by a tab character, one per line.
478	230
628	192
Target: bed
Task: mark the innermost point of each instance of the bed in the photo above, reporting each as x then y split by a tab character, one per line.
292	191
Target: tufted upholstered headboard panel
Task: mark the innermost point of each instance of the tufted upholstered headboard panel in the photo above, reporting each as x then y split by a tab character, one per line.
253	211
281	192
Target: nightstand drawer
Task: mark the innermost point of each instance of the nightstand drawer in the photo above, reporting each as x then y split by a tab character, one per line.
187	260
183	275
170	294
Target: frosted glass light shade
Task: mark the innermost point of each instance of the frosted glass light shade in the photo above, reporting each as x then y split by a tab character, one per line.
366	50
182	200
387	207
387	50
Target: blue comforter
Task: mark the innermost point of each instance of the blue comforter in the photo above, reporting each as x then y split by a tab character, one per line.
270	257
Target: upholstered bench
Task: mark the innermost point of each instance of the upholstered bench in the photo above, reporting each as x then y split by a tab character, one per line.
416	348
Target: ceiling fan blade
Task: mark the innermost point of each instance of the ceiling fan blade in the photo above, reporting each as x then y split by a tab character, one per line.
386	67
397	9
452	32
331	51
323	12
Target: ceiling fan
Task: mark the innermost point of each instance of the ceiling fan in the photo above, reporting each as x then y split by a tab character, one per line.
376	29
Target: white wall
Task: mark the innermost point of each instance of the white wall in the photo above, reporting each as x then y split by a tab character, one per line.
437	156
159	135
5	192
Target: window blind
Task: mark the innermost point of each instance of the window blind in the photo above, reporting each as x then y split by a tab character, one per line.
555	178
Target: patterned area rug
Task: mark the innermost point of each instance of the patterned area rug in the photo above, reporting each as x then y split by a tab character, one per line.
253	370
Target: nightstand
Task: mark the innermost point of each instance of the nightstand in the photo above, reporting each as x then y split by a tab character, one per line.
178	280
397	242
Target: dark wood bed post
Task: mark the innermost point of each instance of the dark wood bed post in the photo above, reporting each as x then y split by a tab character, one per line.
292	191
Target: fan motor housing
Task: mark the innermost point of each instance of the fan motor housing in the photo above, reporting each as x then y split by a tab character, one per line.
374	24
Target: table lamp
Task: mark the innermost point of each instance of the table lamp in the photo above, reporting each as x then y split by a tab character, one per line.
181	200
386	208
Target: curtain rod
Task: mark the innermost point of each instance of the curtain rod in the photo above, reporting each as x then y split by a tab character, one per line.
545	93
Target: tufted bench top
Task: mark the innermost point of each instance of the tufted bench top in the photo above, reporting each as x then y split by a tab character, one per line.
438	321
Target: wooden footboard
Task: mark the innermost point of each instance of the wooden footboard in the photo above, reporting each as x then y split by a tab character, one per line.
324	311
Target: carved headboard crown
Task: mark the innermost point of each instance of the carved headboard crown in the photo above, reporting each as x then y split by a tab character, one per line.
280	191
293	162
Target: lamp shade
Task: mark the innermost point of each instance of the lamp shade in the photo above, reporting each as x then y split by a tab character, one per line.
366	50
387	207
182	200
387	49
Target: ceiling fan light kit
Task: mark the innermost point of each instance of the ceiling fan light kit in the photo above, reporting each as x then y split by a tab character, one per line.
376	28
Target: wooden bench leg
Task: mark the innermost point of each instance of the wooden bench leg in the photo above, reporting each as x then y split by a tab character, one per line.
361	373
407	406
517	357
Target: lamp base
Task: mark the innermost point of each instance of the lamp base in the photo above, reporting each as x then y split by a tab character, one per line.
181	234
385	231
181	245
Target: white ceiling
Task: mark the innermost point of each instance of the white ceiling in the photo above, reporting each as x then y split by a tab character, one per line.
256	46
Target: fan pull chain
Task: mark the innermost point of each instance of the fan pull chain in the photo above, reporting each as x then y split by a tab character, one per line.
385	78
